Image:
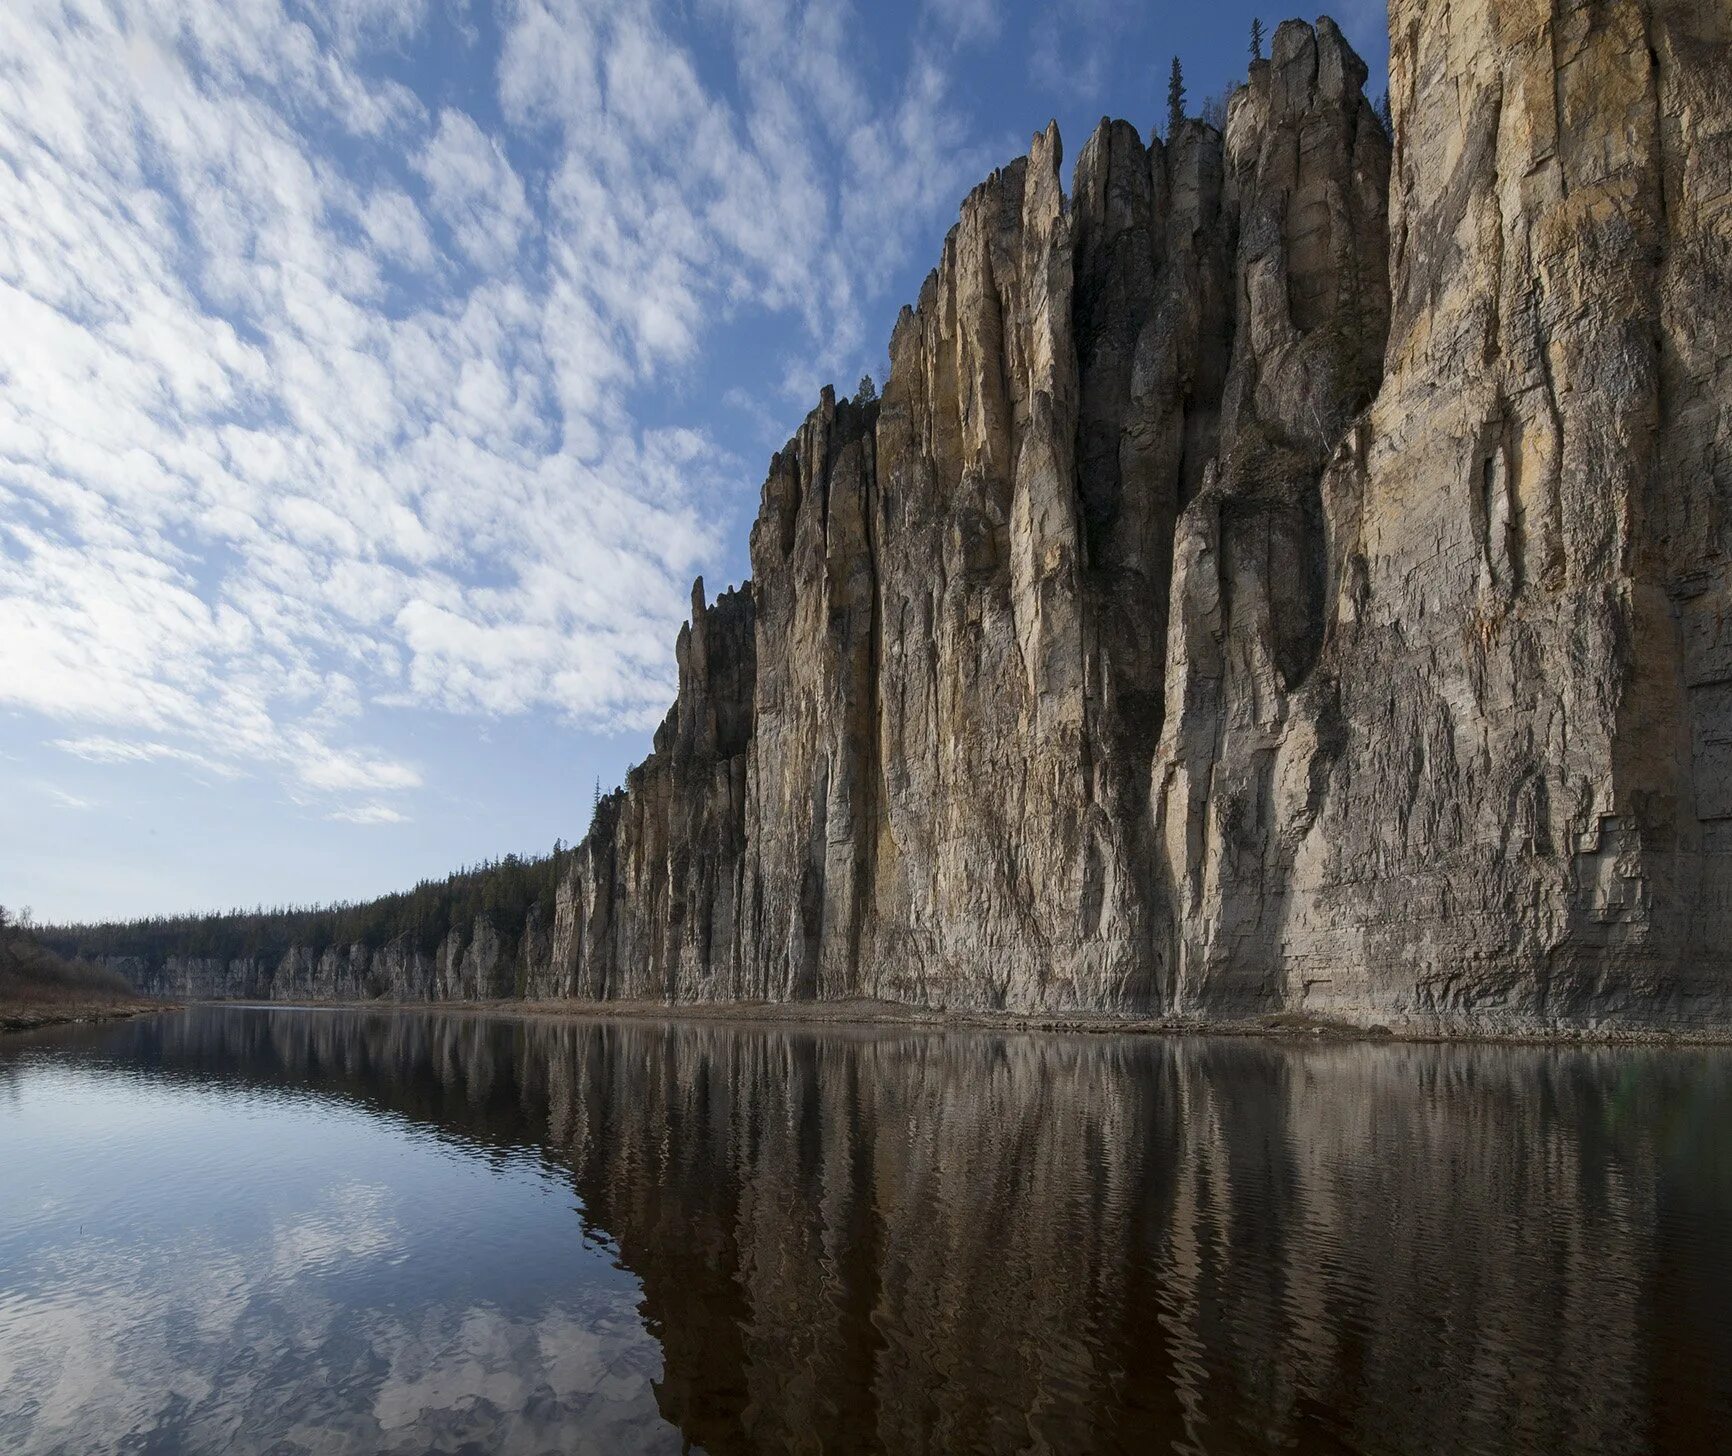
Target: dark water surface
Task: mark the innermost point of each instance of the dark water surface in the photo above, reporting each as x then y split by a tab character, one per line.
243	1230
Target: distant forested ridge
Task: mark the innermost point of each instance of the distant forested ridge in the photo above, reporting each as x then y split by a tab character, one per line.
504	892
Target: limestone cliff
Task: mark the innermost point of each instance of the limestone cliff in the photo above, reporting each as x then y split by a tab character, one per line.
1288	574
471	962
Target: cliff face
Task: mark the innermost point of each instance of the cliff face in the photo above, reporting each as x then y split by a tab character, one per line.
1289	574
470	963
1522	702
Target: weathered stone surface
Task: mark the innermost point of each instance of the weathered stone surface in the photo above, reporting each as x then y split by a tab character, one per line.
813	782
1148	649
1508	745
653	907
471	964
1306	178
1291	574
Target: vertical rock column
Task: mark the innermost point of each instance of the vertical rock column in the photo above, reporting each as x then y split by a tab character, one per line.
1517	827
651	908
1304	187
813	786
1002	873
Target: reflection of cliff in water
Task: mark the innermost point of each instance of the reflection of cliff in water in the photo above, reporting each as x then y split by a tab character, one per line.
914	1241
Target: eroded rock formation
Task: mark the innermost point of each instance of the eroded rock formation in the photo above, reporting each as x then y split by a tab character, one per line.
1289	574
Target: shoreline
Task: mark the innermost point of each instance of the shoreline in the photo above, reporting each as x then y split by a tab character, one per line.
868	1014
20	1016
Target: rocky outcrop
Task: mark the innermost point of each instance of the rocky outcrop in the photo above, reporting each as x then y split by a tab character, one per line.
1307	169
469	964
1288	574
1505	787
652	907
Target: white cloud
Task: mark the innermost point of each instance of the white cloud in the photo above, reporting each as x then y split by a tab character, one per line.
344	772
965	19
474	188
116	750
64	799
1073	45
370	813
356	23
312	405
396	228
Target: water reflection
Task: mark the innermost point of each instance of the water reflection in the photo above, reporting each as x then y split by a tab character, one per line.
911	1241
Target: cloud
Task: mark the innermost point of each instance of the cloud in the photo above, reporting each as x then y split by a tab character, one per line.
964	19
372	813
116	750
354	24
64	799
1072	46
343	772
395	227
318	398
475	190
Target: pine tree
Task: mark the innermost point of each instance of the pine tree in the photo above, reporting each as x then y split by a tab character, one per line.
1175	100
867	390
1256	40
1386	116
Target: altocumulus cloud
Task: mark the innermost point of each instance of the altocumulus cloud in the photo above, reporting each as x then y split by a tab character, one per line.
312	400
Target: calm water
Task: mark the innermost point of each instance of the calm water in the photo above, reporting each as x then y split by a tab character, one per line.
237	1230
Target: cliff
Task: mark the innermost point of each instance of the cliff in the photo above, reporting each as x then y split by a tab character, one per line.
1289	574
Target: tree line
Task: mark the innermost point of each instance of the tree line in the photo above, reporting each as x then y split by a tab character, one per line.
504	890
1215	107
31	972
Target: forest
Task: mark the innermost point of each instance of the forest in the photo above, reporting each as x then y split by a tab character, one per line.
503	890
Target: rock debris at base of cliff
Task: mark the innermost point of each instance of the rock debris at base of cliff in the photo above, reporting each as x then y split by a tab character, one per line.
1289	574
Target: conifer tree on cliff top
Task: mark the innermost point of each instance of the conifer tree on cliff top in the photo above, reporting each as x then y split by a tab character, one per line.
1175	100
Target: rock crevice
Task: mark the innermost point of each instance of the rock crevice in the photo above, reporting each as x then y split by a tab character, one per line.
1288	574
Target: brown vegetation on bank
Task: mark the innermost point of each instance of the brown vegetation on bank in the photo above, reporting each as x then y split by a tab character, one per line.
40	988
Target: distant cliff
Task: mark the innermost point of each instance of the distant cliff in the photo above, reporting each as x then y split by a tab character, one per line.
1289	574
478	934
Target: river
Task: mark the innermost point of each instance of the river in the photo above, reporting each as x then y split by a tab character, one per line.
287	1230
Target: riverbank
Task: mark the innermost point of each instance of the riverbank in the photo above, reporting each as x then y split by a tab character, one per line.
871	1014
33	1015
39	988
1281	1025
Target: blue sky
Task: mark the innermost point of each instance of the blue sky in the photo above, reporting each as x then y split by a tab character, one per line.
375	375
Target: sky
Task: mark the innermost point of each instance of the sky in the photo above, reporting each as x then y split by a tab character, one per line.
376	376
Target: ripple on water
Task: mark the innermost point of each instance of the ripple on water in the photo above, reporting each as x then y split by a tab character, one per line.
259	1230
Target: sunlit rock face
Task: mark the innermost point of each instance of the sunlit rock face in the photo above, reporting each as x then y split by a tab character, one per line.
1288	574
469	963
1506	788
968	663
